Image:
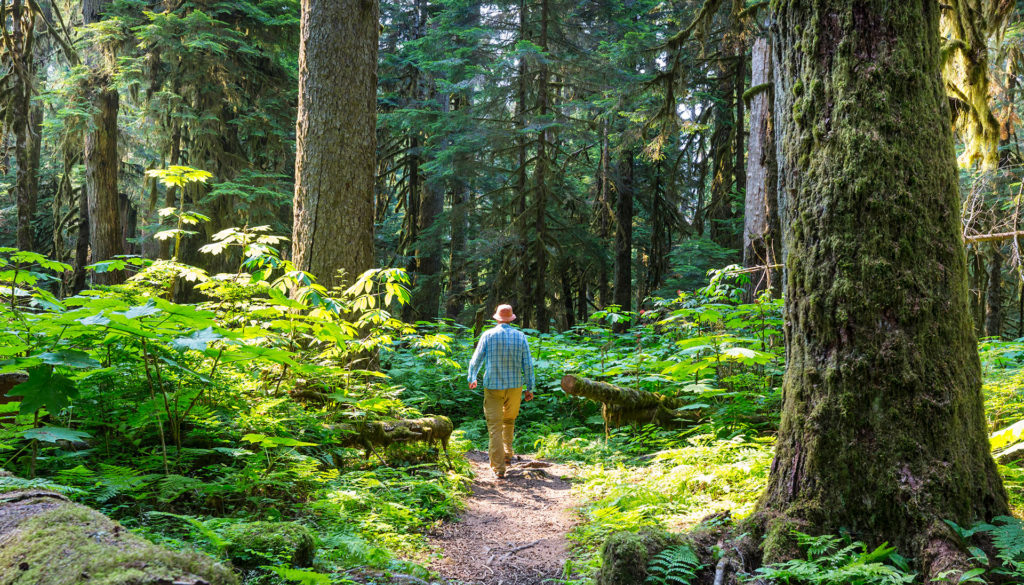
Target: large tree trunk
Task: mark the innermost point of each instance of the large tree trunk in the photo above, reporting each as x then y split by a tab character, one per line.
101	159
336	138
47	539
883	430
761	232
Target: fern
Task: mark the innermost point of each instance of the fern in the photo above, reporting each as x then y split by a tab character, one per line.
10	484
833	560
1008	538
218	541
674	565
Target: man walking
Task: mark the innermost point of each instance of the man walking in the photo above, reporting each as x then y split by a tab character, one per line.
506	354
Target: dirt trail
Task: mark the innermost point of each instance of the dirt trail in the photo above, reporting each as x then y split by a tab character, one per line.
513	530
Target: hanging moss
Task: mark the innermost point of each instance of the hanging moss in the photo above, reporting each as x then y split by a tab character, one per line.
269	543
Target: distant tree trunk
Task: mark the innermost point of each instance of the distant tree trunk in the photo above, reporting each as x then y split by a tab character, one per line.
171	195
725	169
761	232
994	298
522	86
540	250
81	244
101	159
336	138
605	216
456	301
883	431
427	297
129	222
661	238
26	121
624	233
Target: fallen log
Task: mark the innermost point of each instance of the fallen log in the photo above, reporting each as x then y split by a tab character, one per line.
370	434
623	406
44	538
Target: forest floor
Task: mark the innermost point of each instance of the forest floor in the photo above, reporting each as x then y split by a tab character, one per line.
513	530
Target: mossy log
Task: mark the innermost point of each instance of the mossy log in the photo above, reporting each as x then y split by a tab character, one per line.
44	538
370	434
622	406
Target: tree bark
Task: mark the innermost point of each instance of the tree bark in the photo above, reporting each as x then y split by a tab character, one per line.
883	431
541	172
26	121
47	539
604	216
623	293
761	230
101	158
994	297
336	138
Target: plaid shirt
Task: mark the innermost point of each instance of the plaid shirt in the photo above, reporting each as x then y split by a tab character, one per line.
507	355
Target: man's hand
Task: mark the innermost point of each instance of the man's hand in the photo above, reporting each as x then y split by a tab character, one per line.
529	396
472	385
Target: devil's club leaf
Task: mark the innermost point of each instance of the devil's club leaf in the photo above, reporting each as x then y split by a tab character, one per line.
54	434
70	358
197	340
46	389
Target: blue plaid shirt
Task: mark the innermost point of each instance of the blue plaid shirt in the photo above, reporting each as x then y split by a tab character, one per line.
507	355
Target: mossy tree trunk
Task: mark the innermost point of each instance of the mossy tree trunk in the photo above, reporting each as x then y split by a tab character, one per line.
883	429
100	155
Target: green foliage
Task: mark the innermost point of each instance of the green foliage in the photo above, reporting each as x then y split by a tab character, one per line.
834	560
675	565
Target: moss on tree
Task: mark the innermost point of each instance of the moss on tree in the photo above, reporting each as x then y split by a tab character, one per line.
882	431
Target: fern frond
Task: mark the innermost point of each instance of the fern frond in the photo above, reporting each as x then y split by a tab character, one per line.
675	565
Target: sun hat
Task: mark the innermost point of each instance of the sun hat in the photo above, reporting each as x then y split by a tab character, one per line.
504	314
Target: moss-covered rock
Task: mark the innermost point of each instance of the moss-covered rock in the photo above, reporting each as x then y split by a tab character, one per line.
52	541
269	543
625	555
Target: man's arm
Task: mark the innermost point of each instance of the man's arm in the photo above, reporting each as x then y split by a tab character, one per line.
528	367
477	360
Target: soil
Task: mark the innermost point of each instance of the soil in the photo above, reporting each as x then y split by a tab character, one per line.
513	530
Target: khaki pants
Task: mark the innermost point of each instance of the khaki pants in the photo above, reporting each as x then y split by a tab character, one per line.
501	407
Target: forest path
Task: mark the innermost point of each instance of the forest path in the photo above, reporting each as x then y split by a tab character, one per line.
513	531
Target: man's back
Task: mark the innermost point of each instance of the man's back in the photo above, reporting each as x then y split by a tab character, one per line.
506	354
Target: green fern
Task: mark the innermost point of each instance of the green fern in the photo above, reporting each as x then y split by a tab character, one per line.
833	560
10	484
1008	538
675	565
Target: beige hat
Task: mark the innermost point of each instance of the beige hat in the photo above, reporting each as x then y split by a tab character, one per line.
504	314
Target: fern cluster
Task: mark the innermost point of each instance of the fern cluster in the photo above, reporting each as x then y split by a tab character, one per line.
676	565
834	560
